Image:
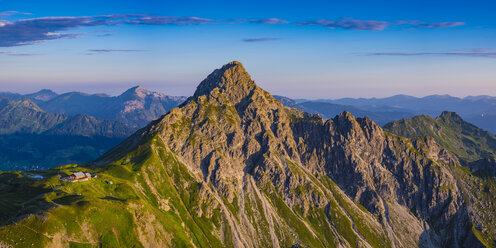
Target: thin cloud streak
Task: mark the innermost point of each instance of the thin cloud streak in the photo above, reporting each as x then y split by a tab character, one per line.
104	33
351	24
270	21
17	54
374	25
260	39
106	51
12	12
462	54
440	25
171	20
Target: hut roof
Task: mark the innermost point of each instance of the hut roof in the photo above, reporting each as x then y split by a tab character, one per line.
79	174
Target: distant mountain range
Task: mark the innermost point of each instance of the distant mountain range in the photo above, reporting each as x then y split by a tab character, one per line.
329	110
479	110
135	107
45	129
380	116
32	138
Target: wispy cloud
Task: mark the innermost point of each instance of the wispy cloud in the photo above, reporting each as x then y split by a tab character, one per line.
260	39
104	51
104	33
18	54
36	30
270	21
483	54
374	25
163	20
351	24
440	25
12	12
421	24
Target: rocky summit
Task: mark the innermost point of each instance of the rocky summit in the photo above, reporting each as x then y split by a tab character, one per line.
233	167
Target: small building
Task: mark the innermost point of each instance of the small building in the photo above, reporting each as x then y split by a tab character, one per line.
77	177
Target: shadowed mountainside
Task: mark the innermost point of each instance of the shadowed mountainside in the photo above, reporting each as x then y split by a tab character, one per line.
31	138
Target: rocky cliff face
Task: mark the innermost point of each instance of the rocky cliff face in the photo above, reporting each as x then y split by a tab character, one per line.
386	173
233	167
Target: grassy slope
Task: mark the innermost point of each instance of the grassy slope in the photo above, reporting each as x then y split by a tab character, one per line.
96	212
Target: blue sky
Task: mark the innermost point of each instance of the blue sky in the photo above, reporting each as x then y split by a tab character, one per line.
301	49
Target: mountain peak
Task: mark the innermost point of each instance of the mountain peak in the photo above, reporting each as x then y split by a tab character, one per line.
232	79
46	91
135	91
135	88
447	115
42	95
233	63
27	103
